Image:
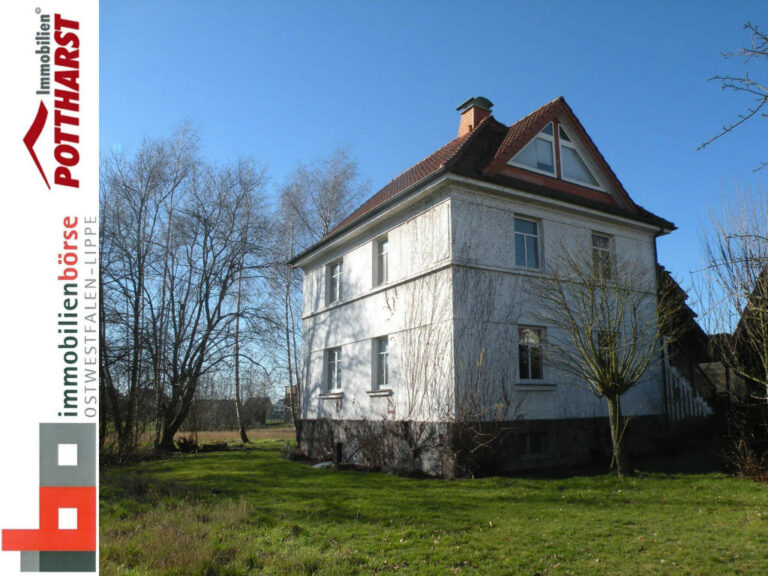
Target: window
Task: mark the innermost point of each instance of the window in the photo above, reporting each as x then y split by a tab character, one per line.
526	243
381	362
381	267
534	444
530	353
607	346
539	153
333	367
335	275
601	256
572	165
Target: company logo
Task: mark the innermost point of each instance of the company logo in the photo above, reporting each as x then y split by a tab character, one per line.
65	54
66	538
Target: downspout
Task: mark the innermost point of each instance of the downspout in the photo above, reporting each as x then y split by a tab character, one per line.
662	348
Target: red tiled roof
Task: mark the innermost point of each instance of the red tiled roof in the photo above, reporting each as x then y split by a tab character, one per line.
415	174
483	154
523	130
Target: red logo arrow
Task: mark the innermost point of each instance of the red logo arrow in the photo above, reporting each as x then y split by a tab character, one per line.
33	134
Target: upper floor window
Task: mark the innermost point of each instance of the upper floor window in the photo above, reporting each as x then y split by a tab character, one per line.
607	346
335	277
539	153
333	368
601	255
526	243
572	165
530	357
381	360
381	262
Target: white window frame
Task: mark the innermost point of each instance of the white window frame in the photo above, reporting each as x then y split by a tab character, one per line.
549	138
525	235
381	380
569	144
380	261
527	448
333	369
598	250
335	280
541	333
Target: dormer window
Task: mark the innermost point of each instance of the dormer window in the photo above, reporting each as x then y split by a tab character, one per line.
539	156
573	167
539	153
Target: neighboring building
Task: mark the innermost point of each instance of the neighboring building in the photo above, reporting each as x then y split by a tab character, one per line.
419	312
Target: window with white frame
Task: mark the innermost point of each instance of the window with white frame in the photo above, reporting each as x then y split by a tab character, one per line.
381	362
572	165
333	369
534	444
601	255
381	267
335	278
526	243
530	356
539	153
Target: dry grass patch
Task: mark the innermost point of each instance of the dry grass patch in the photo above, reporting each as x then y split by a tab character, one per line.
172	539
283	433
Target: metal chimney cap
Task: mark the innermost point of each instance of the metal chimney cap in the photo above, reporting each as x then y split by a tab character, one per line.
476	102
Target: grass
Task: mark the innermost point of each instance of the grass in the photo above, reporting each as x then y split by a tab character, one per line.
253	512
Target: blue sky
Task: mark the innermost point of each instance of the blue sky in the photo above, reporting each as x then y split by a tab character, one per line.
286	82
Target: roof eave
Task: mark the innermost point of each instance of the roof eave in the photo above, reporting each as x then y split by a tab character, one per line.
373	212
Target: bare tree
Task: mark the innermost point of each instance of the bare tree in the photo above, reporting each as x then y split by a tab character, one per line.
223	213
313	200
322	194
134	194
745	84
735	287
183	252
605	318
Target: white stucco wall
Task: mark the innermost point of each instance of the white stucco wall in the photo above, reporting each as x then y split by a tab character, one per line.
503	296
453	296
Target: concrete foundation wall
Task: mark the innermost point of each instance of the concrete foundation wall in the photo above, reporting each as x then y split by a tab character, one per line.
445	449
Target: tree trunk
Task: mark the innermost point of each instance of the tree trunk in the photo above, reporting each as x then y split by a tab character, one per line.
238	402
618	425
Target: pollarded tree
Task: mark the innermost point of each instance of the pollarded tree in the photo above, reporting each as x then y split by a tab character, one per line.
606	318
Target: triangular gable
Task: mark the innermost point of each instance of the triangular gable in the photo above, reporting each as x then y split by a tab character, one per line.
483	154
577	167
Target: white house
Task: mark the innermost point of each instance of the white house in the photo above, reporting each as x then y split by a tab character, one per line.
420	312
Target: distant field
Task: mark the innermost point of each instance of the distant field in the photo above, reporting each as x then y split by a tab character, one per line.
253	512
282	432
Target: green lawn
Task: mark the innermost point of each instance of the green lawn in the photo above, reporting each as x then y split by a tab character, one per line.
252	512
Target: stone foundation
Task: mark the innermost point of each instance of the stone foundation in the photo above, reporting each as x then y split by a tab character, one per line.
449	449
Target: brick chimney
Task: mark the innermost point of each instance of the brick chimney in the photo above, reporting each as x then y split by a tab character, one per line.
472	113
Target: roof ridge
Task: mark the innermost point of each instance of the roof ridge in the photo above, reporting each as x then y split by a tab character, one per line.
532	112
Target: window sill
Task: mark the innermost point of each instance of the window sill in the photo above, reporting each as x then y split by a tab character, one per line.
533	387
331	395
379	392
